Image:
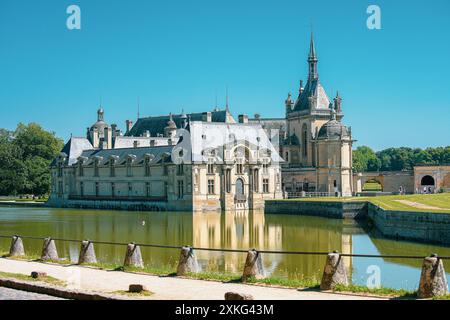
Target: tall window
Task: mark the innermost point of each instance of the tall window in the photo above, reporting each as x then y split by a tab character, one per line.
180	169
80	169
305	140
210	166
130	188
96	171
180	189
265	166
165	170
60	189
60	170
211	186
266	185
112	168
97	189
129	171
113	189
81	189
239	167
147	167
147	189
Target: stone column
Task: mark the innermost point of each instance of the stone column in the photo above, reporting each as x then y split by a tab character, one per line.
334	272
253	266
133	257
87	252
188	262
49	251
16	249
433	281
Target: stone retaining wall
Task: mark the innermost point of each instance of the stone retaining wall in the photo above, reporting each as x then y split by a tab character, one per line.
329	209
426	227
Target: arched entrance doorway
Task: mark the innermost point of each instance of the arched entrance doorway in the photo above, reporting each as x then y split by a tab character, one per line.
427	183
372	185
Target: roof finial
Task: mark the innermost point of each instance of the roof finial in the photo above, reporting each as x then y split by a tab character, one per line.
226	105
138	107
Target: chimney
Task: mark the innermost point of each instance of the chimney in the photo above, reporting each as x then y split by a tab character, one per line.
107	138
114	130
207	117
129	125
243	118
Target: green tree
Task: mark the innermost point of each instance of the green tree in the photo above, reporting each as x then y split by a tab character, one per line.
13	173
365	159
38	149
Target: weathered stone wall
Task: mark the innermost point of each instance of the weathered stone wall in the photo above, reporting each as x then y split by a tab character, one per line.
337	209
417	226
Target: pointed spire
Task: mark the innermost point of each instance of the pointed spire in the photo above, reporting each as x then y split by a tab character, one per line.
312	60
312	48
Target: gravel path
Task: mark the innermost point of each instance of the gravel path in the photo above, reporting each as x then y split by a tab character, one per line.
11	294
164	288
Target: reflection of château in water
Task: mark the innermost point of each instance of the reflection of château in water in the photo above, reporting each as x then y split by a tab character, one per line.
247	230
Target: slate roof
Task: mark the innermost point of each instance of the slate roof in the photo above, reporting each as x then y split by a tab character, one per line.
315	89
209	135
122	154
156	125
74	148
128	142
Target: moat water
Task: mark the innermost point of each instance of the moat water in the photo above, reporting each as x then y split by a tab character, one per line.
238	230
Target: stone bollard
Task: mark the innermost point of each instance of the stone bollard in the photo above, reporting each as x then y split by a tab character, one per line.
49	252
87	252
16	249
238	296
188	262
136	288
334	272
38	275
133	257
433	281
253	266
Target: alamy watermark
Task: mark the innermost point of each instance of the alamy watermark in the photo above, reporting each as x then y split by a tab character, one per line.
73	21
374	19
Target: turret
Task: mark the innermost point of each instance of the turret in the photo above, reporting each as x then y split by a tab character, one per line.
337	103
289	103
171	128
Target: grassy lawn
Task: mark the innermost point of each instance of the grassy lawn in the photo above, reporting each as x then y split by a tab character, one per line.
23	277
440	202
372	186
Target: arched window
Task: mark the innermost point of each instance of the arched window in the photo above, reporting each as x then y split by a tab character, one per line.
239	187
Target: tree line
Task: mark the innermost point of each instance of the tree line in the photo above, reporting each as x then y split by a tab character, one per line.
398	159
25	157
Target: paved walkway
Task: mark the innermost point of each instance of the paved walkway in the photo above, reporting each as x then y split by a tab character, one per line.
165	288
11	294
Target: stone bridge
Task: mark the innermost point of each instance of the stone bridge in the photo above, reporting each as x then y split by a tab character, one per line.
390	181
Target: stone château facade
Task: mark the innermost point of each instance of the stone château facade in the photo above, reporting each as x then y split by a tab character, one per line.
210	161
199	162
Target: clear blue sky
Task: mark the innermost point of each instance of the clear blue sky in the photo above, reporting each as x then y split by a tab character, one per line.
395	82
